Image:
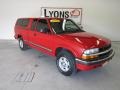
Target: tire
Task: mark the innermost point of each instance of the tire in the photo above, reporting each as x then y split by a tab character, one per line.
66	63
22	45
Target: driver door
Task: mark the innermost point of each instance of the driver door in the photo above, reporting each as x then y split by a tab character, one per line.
43	38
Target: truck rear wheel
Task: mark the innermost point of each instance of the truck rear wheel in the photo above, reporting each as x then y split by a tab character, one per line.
22	45
66	63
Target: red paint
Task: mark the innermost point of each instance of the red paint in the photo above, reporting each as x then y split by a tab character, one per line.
88	67
76	43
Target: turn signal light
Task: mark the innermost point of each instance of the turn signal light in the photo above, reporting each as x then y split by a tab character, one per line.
89	57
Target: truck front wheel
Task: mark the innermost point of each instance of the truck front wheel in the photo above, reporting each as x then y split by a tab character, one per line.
66	63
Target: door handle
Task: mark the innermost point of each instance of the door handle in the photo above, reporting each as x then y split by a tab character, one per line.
35	34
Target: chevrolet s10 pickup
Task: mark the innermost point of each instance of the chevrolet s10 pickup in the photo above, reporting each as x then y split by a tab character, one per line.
74	48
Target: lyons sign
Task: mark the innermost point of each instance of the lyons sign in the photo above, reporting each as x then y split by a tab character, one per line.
72	13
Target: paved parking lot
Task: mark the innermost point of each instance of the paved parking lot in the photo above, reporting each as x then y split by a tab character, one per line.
33	70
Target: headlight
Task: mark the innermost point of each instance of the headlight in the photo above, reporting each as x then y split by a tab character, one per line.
91	51
88	54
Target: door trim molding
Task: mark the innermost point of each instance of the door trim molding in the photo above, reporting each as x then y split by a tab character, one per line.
39	46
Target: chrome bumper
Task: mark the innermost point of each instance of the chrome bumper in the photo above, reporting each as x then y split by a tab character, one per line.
79	61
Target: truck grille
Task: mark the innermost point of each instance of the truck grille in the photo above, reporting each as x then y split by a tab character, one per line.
104	52
103	49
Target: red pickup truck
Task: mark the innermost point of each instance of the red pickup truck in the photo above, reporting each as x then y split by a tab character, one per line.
74	48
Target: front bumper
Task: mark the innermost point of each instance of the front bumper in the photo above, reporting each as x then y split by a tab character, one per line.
87	65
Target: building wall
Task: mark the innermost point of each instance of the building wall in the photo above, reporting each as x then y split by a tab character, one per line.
99	16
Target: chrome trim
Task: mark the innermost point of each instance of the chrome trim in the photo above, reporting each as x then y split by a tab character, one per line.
39	46
97	61
99	52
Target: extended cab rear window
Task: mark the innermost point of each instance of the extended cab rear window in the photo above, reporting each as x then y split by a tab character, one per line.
22	22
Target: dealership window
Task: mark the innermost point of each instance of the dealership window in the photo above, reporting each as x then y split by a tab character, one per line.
69	25
41	25
34	22
19	22
64	26
23	22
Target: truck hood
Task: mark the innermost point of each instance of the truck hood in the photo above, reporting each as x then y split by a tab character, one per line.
87	40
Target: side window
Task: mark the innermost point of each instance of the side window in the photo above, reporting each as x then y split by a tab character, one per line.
19	22
34	22
22	22
70	25
25	22
42	25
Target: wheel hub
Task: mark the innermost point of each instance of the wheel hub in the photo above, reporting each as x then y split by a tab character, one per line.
21	43
64	64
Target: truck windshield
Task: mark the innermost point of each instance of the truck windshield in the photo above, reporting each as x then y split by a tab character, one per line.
60	26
